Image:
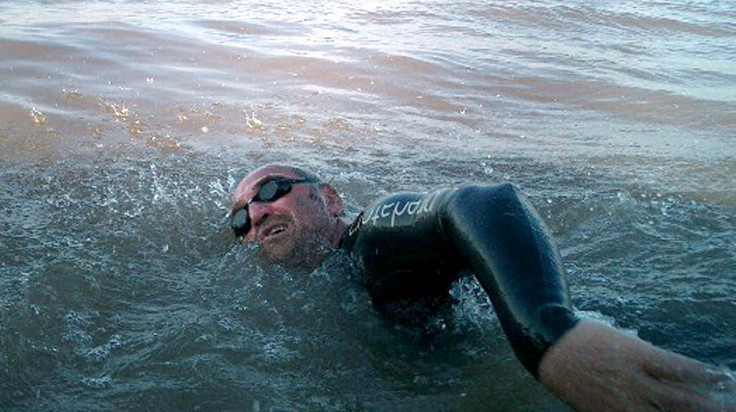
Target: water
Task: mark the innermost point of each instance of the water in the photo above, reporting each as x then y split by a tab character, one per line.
124	126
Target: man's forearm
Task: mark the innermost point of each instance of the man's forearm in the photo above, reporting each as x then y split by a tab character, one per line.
515	260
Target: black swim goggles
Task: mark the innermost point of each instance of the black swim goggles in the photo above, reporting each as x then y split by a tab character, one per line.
270	191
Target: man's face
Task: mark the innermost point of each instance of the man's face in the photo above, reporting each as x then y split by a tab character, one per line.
295	230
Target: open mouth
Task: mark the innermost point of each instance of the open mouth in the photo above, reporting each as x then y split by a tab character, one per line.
274	230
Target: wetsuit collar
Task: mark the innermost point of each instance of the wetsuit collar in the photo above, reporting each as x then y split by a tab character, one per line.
350	234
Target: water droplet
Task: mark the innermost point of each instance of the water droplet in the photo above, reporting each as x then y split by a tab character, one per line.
37	116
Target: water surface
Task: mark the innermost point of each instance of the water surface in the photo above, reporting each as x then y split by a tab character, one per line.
125	125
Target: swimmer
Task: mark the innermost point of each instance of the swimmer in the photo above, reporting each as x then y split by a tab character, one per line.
411	248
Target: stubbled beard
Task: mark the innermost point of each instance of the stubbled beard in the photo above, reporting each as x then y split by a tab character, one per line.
304	249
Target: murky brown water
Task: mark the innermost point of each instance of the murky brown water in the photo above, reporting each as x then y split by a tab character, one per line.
123	126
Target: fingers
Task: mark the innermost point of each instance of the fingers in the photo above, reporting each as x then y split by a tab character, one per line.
676	396
673	367
681	383
672	396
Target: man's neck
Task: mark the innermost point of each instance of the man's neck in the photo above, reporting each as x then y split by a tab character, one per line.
348	232
338	233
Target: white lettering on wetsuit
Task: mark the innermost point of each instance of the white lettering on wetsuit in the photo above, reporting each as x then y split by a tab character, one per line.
400	208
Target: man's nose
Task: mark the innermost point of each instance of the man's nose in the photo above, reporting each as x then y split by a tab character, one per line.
258	211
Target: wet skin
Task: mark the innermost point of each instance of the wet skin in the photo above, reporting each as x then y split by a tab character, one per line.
297	230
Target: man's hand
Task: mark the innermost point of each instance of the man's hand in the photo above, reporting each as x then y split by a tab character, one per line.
595	367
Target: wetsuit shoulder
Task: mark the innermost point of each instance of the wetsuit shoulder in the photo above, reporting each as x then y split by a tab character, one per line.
402	249
411	244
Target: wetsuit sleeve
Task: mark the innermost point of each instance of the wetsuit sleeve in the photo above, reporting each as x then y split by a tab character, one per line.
514	258
490	230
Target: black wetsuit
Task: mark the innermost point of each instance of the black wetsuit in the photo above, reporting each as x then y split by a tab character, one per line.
412	247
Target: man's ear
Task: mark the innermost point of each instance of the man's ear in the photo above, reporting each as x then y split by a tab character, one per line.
334	201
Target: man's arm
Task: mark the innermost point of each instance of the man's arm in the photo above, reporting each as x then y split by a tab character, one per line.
511	253
588	364
413	245
496	234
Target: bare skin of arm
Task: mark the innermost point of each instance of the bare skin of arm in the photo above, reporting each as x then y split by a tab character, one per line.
595	367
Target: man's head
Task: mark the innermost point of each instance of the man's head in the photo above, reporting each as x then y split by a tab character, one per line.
290	213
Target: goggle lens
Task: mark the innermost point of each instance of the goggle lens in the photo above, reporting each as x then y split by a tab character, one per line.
270	191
